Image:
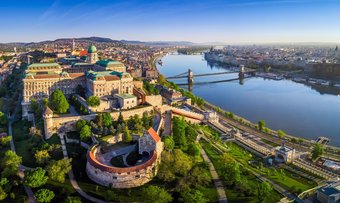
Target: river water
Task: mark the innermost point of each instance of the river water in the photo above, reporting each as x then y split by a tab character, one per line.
297	109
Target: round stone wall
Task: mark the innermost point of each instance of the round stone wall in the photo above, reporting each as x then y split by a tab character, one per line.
115	177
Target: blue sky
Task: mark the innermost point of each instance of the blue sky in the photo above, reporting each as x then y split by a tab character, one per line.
231	21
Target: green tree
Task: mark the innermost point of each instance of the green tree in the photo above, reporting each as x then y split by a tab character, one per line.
93	101
182	162
169	143
166	171
3	118
120	118
230	170
317	151
193	196
58	169
5	140
42	156
107	119
10	163
162	79
194	150
178	131
44	195
261	125
281	133
35	178
263	191
80	124
127	134
85	133
145	120
3	194
155	194
58	102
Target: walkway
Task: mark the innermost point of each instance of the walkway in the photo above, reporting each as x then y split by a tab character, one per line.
73	180
217	181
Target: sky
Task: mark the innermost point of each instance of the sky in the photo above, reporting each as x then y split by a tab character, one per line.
229	21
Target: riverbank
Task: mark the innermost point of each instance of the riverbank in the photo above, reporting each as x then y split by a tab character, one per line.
289	137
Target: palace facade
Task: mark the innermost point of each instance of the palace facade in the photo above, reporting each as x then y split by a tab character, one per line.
41	79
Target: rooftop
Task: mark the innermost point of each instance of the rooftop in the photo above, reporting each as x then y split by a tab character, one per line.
38	65
93	75
108	62
125	96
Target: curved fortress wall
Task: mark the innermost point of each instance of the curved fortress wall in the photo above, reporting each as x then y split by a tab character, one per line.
121	177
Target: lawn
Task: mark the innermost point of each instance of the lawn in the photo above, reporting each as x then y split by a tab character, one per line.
233	194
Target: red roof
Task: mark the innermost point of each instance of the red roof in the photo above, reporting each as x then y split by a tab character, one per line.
111	77
83	53
154	134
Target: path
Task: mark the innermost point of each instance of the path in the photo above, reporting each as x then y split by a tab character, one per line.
73	180
217	181
28	190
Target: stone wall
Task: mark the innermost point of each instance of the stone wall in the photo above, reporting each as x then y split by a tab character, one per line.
154	100
115	177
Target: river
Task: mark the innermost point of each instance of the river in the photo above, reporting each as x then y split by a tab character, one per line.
295	108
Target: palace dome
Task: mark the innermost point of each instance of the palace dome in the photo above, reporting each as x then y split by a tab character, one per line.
92	49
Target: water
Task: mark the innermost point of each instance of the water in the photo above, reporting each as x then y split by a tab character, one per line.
295	108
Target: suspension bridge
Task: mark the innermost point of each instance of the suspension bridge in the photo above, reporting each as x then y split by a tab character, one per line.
242	74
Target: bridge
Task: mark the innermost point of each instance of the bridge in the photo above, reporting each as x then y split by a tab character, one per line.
190	75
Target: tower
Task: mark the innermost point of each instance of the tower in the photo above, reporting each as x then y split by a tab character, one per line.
48	124
73	45
92	56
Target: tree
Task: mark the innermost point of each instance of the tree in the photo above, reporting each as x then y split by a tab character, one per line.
145	120
178	131
44	195
85	133
5	140
127	134
194	150
58	102
182	162
155	194
93	101
161	79
120	118
263	190
10	163
261	125
3	118
317	151
42	156
193	196
107	119
281	133
169	143
45	102
58	169
80	124
230	170
35	178
3	194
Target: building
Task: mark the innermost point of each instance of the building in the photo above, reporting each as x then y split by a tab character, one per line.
126	101
39	85
92	56
110	65
99	169
284	154
105	83
329	193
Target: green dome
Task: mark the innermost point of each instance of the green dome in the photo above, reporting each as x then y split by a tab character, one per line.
92	49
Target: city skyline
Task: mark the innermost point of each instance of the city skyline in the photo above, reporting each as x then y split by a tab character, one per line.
282	21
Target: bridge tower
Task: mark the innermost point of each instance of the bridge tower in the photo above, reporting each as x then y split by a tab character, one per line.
190	77
241	72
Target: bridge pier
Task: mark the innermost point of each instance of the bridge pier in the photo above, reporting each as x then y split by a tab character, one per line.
190	77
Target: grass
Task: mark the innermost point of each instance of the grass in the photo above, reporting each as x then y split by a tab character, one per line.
233	194
270	143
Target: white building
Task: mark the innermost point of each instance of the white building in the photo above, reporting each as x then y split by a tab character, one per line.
284	154
126	101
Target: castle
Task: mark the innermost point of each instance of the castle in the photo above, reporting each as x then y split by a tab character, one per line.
99	169
99	78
